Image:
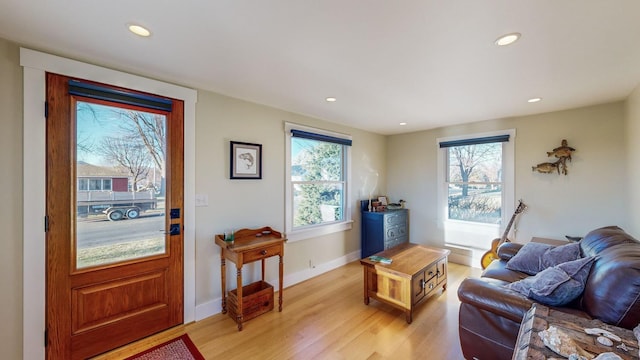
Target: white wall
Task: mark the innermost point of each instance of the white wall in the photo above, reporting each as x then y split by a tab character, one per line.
590	196
632	132
11	199
237	204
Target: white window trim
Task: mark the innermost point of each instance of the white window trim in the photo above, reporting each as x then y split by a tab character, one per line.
35	64
321	229
508	181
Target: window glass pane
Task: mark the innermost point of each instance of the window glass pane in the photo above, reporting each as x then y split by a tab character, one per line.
474	179
482	203
95	184
313	160
83	184
475	163
317	203
106	184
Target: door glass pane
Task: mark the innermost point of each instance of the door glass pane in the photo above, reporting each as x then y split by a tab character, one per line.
120	172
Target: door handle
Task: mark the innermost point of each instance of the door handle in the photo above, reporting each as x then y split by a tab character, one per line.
174	229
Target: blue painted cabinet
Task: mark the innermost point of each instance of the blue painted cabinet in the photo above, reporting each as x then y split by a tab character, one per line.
383	230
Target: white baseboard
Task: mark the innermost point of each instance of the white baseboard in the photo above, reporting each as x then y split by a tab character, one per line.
214	306
465	256
209	308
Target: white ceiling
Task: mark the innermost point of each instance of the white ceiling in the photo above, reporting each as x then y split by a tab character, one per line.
429	63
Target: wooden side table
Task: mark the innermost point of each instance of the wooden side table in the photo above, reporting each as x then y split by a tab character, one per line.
249	245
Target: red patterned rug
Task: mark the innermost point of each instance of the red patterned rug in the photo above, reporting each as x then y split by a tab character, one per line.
180	348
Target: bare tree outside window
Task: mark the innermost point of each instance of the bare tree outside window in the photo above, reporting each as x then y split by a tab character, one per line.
130	154
475	182
137	143
120	171
150	129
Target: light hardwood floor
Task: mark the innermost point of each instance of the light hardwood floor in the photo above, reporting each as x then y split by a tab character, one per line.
325	318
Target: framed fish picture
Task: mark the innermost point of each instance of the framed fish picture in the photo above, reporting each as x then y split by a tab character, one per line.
246	160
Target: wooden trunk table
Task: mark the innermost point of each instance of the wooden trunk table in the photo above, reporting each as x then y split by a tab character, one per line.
416	272
539	318
250	245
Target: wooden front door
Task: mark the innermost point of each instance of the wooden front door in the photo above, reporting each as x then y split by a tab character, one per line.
114	216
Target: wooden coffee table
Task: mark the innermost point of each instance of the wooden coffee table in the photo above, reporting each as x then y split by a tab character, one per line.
416	273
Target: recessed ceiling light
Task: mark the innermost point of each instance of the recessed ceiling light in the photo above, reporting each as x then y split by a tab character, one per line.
139	30
331	99
507	39
403	123
534	100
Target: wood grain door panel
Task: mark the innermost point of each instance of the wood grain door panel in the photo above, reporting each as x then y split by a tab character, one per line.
102	304
121	332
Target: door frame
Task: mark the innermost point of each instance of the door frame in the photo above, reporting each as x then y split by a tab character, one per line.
35	64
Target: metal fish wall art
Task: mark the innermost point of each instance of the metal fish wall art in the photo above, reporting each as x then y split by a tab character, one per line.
562	153
546	167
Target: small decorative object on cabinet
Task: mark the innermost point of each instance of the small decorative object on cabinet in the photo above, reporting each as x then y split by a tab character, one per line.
249	245
382	230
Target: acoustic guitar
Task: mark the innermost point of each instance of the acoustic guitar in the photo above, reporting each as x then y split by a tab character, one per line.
492	254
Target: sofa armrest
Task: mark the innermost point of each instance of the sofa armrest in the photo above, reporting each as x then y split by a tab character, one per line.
490	295
508	250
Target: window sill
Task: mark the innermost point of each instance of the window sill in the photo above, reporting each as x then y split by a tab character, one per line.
470	234
320	230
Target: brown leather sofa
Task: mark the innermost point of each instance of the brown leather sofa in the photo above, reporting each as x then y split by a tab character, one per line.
490	314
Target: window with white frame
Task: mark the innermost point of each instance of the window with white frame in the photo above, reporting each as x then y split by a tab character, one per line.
317	182
96	184
476	177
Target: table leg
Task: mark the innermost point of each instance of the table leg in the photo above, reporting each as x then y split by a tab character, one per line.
366	289
223	281
280	284
239	316
408	314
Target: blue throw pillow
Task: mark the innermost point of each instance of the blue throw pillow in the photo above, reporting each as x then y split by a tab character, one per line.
535	257
558	285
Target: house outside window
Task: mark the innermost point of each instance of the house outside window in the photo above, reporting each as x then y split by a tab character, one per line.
476	180
317	182
95	184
